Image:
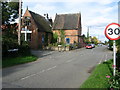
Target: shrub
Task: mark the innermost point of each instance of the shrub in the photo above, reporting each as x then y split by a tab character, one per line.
24	49
114	81
55	37
8	43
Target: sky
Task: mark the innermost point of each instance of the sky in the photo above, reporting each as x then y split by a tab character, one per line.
95	14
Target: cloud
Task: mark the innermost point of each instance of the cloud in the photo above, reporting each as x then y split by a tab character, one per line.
74	1
95	13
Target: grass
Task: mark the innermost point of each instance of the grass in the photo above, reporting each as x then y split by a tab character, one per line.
98	77
7	62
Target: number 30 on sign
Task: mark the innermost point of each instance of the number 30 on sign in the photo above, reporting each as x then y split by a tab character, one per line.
112	31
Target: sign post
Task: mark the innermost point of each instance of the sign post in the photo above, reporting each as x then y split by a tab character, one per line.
112	32
114	59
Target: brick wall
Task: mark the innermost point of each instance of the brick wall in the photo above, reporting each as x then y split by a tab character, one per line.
72	34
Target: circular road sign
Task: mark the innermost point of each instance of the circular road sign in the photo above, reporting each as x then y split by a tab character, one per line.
112	31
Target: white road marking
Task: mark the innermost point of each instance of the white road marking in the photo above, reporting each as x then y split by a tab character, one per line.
51	68
69	61
42	71
27	76
106	58
38	73
100	62
101	59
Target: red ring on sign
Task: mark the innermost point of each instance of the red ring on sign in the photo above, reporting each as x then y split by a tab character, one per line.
106	31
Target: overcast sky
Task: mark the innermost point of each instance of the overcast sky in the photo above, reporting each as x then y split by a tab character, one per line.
96	14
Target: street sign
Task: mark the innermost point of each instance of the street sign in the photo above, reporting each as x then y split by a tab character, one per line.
112	31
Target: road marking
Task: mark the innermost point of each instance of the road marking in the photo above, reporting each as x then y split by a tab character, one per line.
100	62
38	73
27	76
101	59
42	71
69	61
51	68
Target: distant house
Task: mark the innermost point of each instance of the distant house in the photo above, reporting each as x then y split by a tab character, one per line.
71	24
36	29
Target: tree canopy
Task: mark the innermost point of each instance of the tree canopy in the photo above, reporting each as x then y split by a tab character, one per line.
10	11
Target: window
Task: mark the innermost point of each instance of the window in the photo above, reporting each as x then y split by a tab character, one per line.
43	38
67	40
28	36
27	21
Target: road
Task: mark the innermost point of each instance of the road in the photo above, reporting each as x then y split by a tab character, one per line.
56	69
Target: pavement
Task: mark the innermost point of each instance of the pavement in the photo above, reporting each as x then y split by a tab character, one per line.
55	69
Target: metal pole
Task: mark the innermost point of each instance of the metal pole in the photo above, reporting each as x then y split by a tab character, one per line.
19	27
114	57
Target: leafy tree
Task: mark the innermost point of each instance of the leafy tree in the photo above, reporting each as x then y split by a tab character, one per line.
62	36
106	42
55	37
94	40
9	11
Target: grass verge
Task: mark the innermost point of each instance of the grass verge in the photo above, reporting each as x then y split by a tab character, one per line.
98	77
7	62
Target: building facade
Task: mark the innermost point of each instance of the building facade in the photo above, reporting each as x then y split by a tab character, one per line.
36	29
71	24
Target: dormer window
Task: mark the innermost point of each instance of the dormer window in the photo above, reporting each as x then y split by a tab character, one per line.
27	21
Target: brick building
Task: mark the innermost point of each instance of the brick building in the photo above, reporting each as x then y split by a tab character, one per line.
71	24
36	29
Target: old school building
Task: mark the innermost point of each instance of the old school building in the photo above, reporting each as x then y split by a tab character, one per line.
71	24
36	29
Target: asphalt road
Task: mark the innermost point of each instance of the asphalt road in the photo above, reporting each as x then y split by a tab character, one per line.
55	69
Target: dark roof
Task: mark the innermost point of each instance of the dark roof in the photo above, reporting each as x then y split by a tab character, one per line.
41	22
67	21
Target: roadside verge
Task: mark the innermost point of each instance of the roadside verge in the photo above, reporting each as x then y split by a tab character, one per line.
98	77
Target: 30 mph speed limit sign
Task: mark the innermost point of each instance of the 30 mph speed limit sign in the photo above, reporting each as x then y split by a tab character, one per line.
112	31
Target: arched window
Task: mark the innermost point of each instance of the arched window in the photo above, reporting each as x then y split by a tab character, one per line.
27	21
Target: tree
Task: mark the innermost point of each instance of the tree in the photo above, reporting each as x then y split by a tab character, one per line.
62	36
106	42
94	40
9	11
55	37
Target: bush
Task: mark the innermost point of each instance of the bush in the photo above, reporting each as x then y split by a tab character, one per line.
8	44
24	49
114	81
118	61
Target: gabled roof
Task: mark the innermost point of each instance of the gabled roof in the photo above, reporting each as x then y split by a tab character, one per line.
40	21
67	21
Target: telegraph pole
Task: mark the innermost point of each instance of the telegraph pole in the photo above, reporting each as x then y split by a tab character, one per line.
88	32
19	27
